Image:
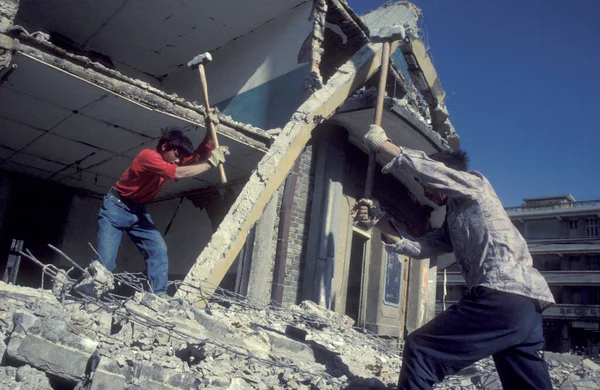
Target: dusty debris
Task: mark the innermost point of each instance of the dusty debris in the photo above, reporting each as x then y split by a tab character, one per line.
145	341
107	341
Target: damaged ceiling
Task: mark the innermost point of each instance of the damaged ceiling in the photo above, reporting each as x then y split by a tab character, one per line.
58	127
162	35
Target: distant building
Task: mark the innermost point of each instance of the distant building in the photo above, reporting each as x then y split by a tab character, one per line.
564	241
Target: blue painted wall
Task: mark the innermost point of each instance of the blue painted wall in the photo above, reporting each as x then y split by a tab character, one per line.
270	104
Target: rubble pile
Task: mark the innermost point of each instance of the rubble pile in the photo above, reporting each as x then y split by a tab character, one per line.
79	335
567	371
151	343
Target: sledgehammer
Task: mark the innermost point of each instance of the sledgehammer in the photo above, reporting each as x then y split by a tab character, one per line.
385	35
199	62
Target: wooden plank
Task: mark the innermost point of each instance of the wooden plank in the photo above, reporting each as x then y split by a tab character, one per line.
226	242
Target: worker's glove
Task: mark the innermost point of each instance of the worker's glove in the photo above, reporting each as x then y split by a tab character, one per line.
375	137
217	156
213	117
368	211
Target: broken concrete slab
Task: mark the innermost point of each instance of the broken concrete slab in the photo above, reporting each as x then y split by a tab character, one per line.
108	374
12	291
226	242
590	364
50	345
210	322
137	91
291	349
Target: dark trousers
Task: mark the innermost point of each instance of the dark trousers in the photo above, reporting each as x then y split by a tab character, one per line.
487	322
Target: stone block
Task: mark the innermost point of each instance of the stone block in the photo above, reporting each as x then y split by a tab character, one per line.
49	345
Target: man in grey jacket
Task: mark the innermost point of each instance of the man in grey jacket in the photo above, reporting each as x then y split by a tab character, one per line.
501	316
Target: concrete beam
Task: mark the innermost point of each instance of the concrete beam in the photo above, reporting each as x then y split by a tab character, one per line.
226	242
134	90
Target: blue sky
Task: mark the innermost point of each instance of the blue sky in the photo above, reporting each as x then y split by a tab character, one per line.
522	79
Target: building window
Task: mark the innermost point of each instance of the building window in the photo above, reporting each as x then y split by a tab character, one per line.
393	278
591	227
573	224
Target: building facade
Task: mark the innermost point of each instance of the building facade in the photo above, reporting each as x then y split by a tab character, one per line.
564	242
85	86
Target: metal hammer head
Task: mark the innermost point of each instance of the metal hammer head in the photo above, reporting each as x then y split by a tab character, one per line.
200	59
388	34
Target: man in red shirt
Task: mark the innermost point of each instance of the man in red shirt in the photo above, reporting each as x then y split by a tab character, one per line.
124	208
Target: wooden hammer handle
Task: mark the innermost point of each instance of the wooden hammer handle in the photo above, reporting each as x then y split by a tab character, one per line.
211	125
383	71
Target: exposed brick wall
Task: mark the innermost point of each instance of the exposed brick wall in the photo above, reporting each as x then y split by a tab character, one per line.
298	230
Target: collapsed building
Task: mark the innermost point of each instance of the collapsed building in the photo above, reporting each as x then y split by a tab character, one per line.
85	86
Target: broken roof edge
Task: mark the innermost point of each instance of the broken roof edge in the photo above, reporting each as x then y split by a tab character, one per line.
364	100
137	91
423	73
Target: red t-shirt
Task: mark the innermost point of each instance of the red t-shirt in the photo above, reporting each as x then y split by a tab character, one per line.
148	173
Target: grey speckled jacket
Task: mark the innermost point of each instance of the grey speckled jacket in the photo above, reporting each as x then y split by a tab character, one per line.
488	248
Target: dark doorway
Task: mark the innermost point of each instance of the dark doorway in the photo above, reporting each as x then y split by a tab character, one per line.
36	213
355	276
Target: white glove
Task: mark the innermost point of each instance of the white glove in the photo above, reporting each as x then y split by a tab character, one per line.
217	156
375	137
368	211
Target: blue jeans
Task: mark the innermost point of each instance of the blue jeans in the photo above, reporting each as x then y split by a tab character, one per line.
118	216
487	322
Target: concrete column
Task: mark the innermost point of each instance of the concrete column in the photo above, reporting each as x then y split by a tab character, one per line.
418	294
8	12
431	290
263	253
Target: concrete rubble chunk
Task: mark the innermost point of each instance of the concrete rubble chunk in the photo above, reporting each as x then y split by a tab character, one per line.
291	349
97	282
563	357
108	374
239	384
24	293
322	312
50	345
582	384
210	322
23	378
590	364
236	346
